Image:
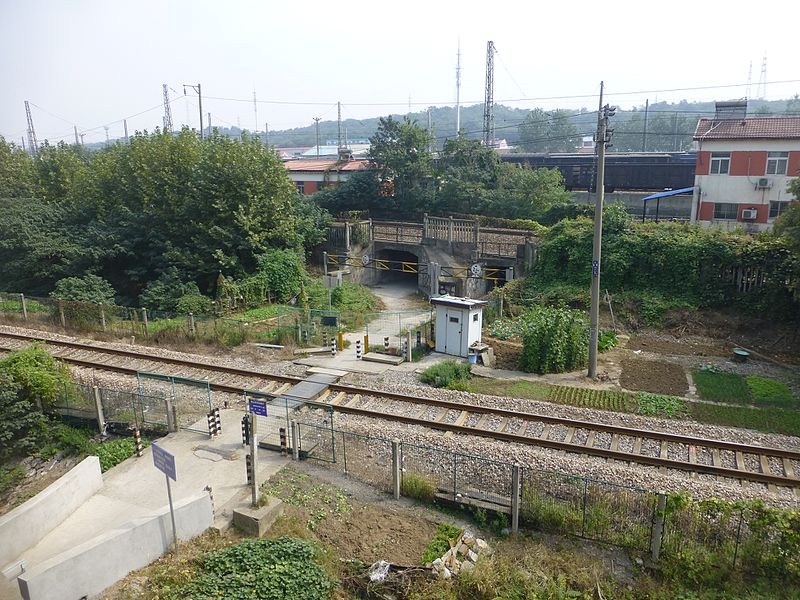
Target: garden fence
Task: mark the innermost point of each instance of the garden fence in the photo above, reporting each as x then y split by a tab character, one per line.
565	504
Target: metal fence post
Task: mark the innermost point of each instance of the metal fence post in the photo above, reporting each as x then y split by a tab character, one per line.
455	476
103	317
583	519
347	236
295	447
450	230
191	324
144	320
344	451
657	536
738	538
98	407
171	420
24	307
514	498
396	469
61	314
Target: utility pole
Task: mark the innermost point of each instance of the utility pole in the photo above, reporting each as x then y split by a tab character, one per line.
125	125
316	123
458	89
430	131
75	129
488	104
33	145
255	110
339	122
602	140
675	131
199	91
24	148
106	128
167	110
644	133
266	133
82	143
209	124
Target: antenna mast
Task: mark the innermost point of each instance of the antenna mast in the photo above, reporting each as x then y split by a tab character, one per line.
167	110
488	105
33	145
749	79
458	89
761	92
339	122
255	110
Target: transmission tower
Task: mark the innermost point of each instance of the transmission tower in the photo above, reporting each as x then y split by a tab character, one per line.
458	89
761	91
167	111
255	111
488	105
33	145
749	80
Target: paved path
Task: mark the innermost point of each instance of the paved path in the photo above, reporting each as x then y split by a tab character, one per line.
135	488
403	310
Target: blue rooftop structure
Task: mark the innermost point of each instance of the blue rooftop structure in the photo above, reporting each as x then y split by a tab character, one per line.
657	197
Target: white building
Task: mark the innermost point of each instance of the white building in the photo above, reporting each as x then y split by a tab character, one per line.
744	167
459	322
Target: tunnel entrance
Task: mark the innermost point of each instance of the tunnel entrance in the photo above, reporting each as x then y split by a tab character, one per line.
396	272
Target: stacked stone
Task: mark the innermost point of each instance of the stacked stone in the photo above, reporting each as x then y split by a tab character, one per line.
461	557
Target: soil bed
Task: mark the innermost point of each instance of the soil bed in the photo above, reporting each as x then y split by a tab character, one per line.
658	377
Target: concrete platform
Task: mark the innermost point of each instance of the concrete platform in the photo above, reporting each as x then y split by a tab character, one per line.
324	371
135	488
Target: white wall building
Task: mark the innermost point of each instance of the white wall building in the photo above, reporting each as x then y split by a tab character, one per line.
459	322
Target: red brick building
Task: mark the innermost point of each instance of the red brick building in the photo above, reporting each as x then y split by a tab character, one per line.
311	175
744	166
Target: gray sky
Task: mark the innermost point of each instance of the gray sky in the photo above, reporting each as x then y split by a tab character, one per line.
93	62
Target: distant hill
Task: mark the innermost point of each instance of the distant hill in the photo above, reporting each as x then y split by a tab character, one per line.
670	125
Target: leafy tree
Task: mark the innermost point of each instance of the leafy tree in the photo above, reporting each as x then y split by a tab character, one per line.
89	288
788	225
400	153
17	173
39	378
549	131
468	170
524	193
163	293
193	301
24	426
58	168
793	105
283	271
361	191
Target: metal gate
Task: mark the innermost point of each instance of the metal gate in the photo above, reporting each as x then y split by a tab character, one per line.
189	399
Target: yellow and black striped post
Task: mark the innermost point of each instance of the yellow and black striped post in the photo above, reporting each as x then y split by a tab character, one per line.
282	432
245	430
249	464
137	442
218	420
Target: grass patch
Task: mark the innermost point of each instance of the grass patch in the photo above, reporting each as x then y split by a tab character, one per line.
32	306
768	419
417	486
320	500
659	405
504	387
159	325
266	312
441	542
770	392
716	386
449	374
590	398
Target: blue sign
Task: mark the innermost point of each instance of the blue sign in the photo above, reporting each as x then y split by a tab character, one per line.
164	461
595	268
258	407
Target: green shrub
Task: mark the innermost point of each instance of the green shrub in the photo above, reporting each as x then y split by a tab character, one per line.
194	302
445	532
764	390
113	452
163	293
89	288
449	374
24	426
256	568
282	272
417	486
716	386
606	340
40	377
659	405
9	478
554	340
72	441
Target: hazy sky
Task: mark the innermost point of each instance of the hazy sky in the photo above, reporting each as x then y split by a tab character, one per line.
93	62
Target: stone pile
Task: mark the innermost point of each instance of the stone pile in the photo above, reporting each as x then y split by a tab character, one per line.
461	557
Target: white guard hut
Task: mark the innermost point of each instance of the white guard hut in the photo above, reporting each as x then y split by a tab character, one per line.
458	324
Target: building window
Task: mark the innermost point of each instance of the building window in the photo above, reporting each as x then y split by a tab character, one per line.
301	186
720	163
776	209
777	163
726	210
454	319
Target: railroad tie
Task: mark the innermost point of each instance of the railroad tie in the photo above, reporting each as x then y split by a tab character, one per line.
545	431
282	389
353	400
662	453
692	459
590	439
323	397
462	418
338	398
787	467
484	420
615	442
503	424
767	471
570	435
441	416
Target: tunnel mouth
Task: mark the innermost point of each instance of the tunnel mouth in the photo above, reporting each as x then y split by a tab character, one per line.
400	267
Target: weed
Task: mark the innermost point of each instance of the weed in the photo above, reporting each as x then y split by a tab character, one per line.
447	374
9	478
441	542
606	340
771	420
417	486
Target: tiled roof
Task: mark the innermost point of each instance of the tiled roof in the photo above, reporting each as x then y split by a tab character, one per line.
760	128
323	164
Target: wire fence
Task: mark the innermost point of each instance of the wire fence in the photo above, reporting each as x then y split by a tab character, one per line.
725	535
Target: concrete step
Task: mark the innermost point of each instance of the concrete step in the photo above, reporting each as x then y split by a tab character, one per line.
315	350
324	371
385	359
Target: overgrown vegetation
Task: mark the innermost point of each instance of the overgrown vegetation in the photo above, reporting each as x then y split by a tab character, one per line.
417	486
661	266
445	533
769	419
253	569
450	374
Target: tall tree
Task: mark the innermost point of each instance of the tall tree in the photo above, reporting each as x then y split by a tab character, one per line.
549	131
467	169
400	153
17	172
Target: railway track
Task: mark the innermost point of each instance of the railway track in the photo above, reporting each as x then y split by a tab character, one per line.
775	467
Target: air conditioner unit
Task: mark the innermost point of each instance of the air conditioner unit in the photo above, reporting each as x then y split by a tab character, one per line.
763	184
749	214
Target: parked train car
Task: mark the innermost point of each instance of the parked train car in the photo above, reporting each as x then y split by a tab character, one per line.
625	171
